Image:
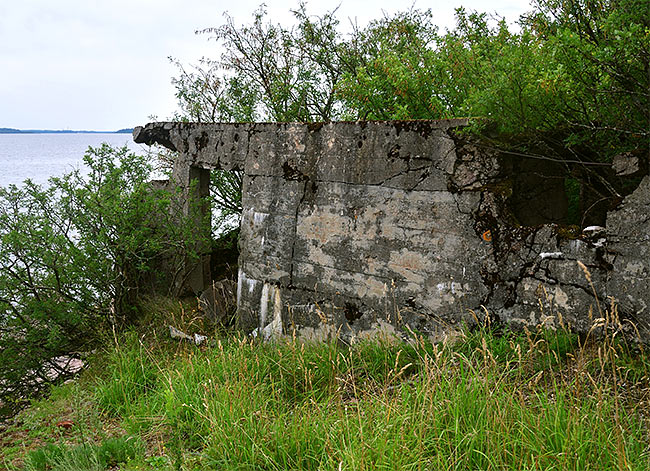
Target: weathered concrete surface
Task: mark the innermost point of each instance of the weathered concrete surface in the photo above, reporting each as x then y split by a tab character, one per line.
628	245
350	228
540	276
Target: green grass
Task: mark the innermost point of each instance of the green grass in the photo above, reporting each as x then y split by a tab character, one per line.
107	455
525	401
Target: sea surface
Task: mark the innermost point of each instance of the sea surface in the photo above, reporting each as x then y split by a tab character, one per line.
41	156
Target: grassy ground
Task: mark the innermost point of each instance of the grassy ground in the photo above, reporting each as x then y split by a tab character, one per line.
525	401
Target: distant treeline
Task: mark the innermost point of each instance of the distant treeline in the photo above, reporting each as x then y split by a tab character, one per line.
49	131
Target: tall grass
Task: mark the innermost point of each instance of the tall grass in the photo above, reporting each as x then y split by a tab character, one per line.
531	400
491	399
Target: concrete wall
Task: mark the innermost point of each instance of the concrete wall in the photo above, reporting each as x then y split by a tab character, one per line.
356	227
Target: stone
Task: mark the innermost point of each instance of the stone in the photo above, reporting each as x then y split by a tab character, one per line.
625	164
196	339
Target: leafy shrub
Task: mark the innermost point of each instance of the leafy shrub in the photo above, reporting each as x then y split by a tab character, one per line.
75	255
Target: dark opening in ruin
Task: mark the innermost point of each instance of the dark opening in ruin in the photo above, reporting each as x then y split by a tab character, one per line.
224	256
538	191
544	191
226	209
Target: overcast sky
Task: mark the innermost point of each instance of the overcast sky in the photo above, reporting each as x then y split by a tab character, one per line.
103	64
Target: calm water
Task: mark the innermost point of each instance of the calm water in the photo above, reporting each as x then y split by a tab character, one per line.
40	156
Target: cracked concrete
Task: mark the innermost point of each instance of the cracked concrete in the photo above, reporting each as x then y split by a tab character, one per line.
358	227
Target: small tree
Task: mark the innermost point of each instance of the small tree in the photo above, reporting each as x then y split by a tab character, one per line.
74	256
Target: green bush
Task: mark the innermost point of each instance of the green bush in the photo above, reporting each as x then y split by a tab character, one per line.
74	257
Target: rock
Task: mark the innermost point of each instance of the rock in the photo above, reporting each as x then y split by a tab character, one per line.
63	365
179	334
625	164
197	339
219	301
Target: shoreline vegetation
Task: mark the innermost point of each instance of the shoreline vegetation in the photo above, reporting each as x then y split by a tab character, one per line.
52	131
486	399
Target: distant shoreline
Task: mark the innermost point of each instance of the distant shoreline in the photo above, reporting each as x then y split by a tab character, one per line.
48	131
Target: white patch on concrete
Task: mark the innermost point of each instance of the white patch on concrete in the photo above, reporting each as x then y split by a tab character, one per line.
259	218
251	285
300	147
274	329
633	268
303	307
243	282
449	293
544	255
593	229
264	305
548	322
453	287
321	333
381	330
575	244
240	280
409	264
600	242
448	336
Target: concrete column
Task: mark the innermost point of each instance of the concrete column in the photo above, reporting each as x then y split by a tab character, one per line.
199	277
195	184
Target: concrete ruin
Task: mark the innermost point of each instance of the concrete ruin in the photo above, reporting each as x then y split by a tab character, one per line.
353	228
